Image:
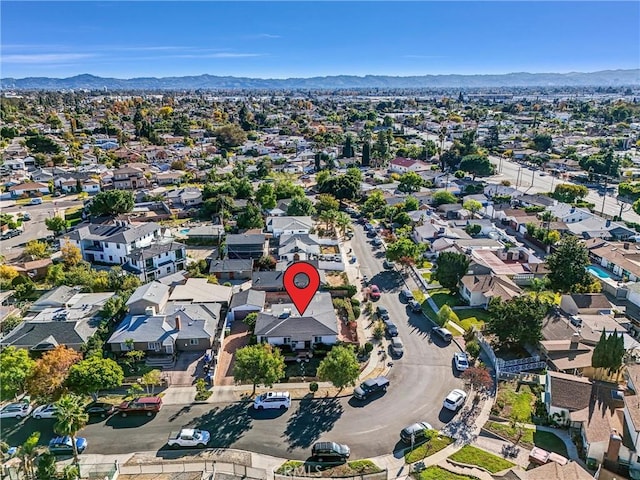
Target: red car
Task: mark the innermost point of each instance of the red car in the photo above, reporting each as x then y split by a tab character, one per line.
146	405
374	292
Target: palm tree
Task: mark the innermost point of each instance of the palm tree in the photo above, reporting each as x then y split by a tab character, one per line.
71	419
343	221
27	454
329	218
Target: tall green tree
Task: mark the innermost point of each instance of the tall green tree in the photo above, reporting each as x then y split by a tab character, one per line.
112	203
340	367
477	165
568	266
266	196
250	218
517	321
301	206
93	374
347	149
15	367
366	154
569	193
404	250
443	197
326	201
71	418
609	352
410	182
27	453
542	142
473	206
56	224
450	269
258	364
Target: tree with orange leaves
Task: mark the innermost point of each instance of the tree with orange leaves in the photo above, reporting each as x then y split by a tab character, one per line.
50	373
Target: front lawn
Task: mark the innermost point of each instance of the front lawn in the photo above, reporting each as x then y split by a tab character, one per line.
472	317
357	467
438	473
135	370
441	296
474	456
509	402
427	448
530	438
293	369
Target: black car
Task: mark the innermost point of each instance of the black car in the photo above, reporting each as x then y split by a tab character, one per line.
392	329
415	306
416	432
370	387
99	409
406	295
382	313
331	451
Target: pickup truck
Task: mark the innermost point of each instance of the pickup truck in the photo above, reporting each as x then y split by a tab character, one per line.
189	437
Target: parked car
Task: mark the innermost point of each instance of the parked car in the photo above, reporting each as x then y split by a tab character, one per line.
16	410
36	201
270	400
368	227
44	411
442	333
416	430
376	241
415	306
64	445
382	312
26	217
189	437
374	292
389	265
406	295
147	405
461	362
397	347
99	409
391	328
371	233
454	400
371	387
331	451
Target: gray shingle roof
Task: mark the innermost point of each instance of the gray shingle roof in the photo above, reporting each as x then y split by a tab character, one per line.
113	233
154	250
151	292
248	297
32	334
231	265
245	239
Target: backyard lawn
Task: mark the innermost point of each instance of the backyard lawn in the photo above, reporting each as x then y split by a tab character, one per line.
546	440
437	473
474	456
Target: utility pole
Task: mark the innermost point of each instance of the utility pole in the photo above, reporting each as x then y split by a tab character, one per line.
604	196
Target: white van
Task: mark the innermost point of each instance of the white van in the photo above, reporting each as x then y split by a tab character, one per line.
279	400
36	201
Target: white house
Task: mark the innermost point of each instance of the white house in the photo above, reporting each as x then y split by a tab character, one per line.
569	214
404	165
288	225
32	188
91	186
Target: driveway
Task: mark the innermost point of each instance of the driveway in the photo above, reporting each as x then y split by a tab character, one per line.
238	338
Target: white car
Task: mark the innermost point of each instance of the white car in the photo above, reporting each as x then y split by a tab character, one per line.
15	410
454	400
461	361
268	400
44	411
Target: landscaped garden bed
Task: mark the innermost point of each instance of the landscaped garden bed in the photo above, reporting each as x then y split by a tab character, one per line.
427	448
438	473
357	467
530	437
470	455
515	402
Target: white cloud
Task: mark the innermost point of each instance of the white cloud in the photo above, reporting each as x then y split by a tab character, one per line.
45	57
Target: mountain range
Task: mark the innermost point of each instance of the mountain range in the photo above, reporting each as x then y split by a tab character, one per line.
604	78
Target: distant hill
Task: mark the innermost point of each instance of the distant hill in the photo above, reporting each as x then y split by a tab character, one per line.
604	78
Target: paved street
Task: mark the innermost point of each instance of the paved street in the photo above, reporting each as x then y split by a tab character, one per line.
419	382
533	182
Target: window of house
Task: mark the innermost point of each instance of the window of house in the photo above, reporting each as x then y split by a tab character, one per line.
155	346
118	246
110	258
193	341
317	339
125	347
287	340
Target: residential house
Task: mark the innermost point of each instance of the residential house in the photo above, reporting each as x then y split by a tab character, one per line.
153	295
246	302
129	178
179	327
555	471
70	324
199	290
35	269
478	290
570	356
404	165
184	197
597	227
585	304
568	213
246	245
268	281
623	259
232	269
632	418
283	324
172	177
565	394
113	243
157	260
207	234
31	189
289	225
58	297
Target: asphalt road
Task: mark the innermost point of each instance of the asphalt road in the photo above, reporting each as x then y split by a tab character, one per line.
533	182
419	382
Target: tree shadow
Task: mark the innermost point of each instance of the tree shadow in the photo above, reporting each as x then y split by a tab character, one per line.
304	426
227	425
130	421
420	323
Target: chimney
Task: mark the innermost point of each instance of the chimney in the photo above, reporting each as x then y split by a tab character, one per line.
575	340
613	450
178	324
626	245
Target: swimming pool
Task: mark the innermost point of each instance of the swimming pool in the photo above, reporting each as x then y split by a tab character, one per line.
184	231
598	272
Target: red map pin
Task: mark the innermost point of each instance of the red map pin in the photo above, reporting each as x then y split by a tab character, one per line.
301	289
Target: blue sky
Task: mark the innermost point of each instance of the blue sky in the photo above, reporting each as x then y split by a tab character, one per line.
301	39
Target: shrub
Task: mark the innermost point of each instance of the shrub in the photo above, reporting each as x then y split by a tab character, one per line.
356	312
313	387
355	302
368	347
473	348
378	330
202	393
